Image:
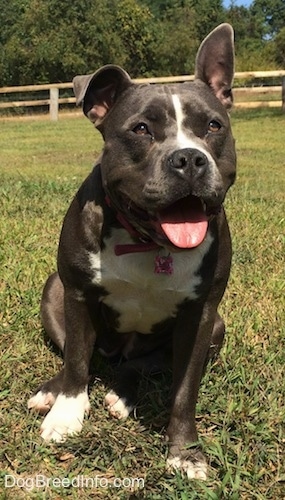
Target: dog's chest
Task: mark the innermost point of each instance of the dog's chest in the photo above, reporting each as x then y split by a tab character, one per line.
142	297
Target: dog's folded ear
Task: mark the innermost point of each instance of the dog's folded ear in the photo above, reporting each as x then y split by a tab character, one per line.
215	62
99	91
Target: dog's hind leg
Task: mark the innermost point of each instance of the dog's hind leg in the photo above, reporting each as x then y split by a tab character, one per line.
217	338
45	396
52	310
65	397
52	315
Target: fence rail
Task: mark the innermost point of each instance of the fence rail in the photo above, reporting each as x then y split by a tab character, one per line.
54	100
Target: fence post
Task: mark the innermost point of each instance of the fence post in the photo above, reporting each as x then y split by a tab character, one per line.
283	94
53	103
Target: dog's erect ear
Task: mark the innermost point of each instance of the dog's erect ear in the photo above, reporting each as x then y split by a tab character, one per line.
99	91
215	62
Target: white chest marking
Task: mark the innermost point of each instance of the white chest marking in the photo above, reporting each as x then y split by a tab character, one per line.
141	297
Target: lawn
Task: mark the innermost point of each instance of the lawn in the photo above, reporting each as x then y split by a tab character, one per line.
240	411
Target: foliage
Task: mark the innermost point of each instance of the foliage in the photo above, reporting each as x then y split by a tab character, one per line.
57	39
280	48
43	41
271	13
209	13
174	57
255	28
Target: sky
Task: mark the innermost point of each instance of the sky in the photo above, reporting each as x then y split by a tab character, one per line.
246	3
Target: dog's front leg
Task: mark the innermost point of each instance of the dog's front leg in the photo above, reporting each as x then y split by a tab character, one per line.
67	414
192	338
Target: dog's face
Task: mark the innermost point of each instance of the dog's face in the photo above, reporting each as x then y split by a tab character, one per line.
169	154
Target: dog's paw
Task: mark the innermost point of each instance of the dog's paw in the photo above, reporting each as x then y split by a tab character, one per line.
41	402
117	406
194	468
65	418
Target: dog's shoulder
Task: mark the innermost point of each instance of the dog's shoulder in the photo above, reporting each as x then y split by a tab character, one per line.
87	220
91	191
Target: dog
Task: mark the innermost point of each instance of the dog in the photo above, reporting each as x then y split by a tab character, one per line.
145	250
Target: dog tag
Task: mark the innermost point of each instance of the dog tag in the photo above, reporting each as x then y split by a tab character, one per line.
163	264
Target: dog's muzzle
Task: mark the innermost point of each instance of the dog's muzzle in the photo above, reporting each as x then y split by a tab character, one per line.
182	222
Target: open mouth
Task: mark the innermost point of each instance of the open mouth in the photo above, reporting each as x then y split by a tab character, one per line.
182	225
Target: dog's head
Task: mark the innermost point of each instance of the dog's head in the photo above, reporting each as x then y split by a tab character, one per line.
169	155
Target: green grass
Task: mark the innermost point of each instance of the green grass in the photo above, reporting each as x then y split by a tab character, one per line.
249	96
240	413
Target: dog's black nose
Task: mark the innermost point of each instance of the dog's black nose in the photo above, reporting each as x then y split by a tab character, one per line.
188	161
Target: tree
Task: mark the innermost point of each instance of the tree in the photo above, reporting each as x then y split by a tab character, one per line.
209	13
271	14
135	28
54	39
178	41
246	26
279	48
252	48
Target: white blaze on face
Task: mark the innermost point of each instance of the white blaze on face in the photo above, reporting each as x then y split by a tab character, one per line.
182	140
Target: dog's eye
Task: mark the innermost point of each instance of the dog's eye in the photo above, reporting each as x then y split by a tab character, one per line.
141	129
214	126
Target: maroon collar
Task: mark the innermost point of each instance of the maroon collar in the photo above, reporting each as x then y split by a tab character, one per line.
163	264
144	245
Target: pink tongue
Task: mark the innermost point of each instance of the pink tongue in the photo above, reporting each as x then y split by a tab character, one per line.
185	224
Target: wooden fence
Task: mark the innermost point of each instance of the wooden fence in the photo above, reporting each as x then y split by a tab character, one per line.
54	100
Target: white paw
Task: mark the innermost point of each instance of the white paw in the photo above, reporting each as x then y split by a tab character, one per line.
66	417
41	402
117	406
193	470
